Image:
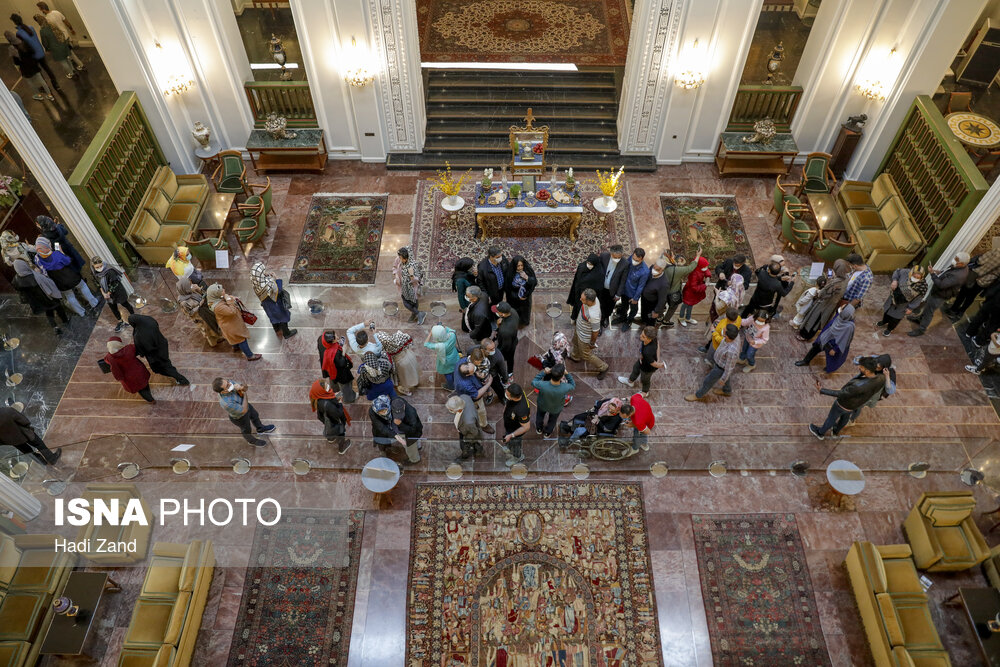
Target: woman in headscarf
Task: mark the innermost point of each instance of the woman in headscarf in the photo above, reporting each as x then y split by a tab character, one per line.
589	274
12	247
127	369
408	275
375	376
335	363
56	232
323	399
825	302
444	342
834	340
694	291
195	306
906	291
275	301
151	344
181	264
557	353
40	293
229	317
519	286
405	369
109	279
730	297
59	268
507	325
462	278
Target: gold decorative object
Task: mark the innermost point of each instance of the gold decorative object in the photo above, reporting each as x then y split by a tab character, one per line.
611	182
528	145
690	74
445	182
763	132
774	62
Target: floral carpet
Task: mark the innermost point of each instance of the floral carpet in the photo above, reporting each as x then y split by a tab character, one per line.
341	240
439	241
585	32
711	221
530	574
758	597
297	605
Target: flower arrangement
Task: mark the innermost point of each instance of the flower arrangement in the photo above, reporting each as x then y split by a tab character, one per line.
487	181
570	181
446	184
10	190
611	182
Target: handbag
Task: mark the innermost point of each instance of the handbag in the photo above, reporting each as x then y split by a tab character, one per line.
247	316
285	299
105	366
673	298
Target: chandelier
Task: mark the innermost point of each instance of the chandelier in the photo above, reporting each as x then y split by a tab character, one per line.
177	84
690	76
358	75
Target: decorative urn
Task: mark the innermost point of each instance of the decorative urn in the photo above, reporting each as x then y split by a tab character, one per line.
201	134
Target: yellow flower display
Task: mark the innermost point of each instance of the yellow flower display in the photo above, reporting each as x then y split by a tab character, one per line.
610	182
445	182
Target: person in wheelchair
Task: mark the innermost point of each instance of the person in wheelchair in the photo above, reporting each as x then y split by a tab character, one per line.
603	420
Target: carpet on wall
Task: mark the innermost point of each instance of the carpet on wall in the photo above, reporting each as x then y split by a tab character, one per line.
585	32
711	221
530	574
758	596
439	241
341	240
297	605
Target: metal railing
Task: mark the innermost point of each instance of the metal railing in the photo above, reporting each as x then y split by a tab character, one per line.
290	99
754	103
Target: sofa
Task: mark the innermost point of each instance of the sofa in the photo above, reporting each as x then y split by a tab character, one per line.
31	574
942	533
894	610
123	493
880	223
167	616
170	211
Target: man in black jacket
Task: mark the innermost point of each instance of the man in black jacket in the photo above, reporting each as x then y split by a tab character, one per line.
615	271
735	264
492	272
852	396
388	429
654	294
944	285
477	317
16	432
987	320
772	284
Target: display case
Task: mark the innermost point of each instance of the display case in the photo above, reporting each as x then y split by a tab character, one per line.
528	145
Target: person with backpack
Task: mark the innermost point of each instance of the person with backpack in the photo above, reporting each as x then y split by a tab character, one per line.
59	268
275	301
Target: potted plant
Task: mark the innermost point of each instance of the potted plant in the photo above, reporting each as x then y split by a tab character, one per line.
446	184
570	181
609	183
487	181
10	190
515	190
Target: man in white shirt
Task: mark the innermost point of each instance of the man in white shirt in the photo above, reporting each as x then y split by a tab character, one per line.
588	328
361	342
62	26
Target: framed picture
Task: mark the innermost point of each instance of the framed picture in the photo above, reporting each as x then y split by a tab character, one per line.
528	181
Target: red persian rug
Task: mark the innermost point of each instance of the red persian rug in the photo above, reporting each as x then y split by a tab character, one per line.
530	574
758	597
585	32
341	240
711	221
298	597
438	241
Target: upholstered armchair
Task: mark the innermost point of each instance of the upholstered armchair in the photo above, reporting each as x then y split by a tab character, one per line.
942	533
204	249
794	230
829	250
264	191
817	177
230	175
251	228
783	193
123	493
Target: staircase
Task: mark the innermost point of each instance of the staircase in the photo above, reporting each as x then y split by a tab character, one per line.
469	114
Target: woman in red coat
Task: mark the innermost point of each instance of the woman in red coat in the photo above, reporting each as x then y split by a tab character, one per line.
127	369
694	291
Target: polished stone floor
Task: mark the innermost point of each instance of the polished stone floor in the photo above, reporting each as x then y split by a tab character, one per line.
941	414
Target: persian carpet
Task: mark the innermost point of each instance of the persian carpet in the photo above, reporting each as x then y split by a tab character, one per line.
711	221
585	32
341	239
758	597
530	574
298	597
439	241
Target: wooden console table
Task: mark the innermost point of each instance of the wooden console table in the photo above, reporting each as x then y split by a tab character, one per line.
307	150
734	156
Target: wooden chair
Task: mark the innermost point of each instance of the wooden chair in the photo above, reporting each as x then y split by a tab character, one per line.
204	249
829	250
817	177
230	175
795	231
958	101
783	193
251	229
265	192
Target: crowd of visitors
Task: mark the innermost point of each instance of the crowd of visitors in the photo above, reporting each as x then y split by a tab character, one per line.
30	47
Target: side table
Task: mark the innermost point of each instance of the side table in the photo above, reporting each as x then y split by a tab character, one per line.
846	479
380	476
208	155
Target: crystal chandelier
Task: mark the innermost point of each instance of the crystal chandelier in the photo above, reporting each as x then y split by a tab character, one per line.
360	75
690	76
177	84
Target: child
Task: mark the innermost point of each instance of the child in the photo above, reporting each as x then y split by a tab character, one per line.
806	300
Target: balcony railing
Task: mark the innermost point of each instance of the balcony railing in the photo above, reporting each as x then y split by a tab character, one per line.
754	103
290	99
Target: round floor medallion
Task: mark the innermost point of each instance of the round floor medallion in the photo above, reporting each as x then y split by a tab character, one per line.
453	471
128	470
974	129
301	466
519	471
659	469
581	471
717	469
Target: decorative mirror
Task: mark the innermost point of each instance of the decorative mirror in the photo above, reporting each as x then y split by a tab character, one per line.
527	147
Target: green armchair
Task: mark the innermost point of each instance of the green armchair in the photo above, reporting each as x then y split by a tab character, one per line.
264	191
204	249
783	193
794	230
817	177
251	228
830	250
230	175
942	533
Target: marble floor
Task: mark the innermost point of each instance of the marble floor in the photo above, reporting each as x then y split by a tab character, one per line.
941	414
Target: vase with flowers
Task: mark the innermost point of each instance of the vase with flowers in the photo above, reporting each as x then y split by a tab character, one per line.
10	190
609	183
446	183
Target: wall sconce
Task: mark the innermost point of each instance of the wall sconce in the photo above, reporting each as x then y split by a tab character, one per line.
358	74
880	72
177	82
690	74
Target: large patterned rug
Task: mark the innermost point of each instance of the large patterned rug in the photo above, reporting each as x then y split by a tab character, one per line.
341	240
711	221
585	32
298	598
439	241
530	574
758	597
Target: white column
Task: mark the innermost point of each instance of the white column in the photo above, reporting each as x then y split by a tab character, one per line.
16	499
50	178
975	226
